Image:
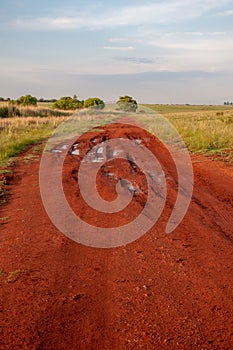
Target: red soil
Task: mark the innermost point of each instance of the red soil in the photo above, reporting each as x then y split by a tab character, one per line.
163	291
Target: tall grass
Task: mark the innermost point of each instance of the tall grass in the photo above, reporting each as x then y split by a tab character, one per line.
18	132
210	132
14	110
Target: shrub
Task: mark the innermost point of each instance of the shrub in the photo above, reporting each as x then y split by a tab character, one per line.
8	112
94	102
27	100
68	103
127	104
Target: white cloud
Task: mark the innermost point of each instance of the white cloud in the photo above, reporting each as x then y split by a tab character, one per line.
216	33
225	13
119	48
208	52
160	12
204	42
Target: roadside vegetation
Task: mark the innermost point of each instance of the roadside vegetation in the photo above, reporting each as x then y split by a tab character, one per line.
127	104
26	121
208	130
18	132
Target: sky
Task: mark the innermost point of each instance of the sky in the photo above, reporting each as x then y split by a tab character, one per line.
175	51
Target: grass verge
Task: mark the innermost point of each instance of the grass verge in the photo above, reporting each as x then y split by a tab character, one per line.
207	132
17	133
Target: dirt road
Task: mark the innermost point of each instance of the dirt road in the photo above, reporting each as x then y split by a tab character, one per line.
163	291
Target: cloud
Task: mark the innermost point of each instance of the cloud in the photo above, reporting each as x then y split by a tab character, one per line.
172	11
208	52
225	13
205	42
120	48
137	60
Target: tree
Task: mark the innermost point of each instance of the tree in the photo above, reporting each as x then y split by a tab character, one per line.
127	104
68	103
94	102
27	100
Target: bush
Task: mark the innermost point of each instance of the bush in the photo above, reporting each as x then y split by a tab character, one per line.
68	103
8	112
27	100
94	102
127	104
3	112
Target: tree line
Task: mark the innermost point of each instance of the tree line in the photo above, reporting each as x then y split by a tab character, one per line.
125	103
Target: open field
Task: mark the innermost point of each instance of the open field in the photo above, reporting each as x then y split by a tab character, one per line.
207	132
205	129
187	108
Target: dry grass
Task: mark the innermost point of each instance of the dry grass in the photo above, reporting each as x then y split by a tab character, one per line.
205	131
18	132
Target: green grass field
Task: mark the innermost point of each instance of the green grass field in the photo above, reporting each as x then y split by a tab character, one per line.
186	108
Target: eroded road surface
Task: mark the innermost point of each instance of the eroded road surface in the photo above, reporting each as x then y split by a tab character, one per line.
162	291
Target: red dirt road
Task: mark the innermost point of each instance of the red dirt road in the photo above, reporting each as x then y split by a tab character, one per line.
163	291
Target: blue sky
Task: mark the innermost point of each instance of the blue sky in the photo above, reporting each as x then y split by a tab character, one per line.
176	51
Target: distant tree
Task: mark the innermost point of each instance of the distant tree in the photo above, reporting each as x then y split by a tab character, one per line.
127	104
94	102
27	100
2	99
68	103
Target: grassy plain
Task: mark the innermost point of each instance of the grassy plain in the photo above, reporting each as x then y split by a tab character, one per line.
177	108
205	129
